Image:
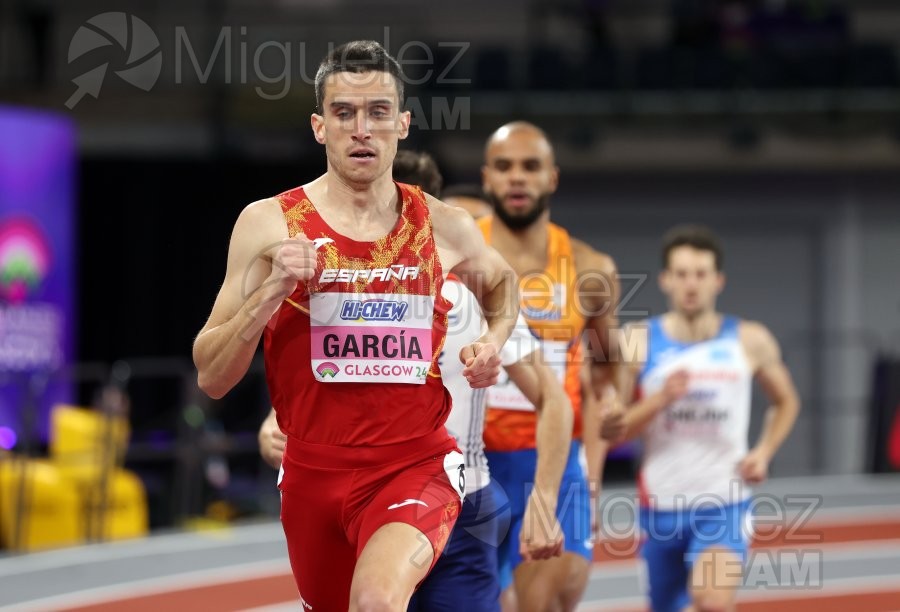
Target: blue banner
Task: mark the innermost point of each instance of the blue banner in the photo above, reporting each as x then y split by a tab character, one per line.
37	252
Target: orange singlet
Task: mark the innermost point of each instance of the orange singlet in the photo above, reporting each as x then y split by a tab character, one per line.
549	304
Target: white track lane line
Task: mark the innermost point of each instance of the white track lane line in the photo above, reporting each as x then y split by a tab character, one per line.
155	586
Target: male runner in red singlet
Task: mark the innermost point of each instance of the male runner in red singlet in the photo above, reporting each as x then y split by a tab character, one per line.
343	279
466	575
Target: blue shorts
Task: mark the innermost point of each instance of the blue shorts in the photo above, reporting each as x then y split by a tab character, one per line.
514	471
465	576
673	539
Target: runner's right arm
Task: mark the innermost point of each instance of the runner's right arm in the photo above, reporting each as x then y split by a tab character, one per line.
624	424
263	269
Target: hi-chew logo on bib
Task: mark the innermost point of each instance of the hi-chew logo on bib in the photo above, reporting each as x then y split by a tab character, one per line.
373	310
371	337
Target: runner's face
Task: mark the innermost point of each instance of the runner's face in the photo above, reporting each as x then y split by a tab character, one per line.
360	125
519	175
691	280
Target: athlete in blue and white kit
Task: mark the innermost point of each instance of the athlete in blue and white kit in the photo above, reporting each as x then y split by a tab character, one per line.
466	575
693	368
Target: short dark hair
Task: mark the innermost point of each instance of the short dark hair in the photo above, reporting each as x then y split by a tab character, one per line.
418	168
698	237
358	56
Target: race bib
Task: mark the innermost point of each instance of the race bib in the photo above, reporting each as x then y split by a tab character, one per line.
505	394
359	337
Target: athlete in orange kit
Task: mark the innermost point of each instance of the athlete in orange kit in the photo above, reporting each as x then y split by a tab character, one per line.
569	294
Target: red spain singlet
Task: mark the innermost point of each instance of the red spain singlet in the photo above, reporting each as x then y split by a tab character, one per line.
351	355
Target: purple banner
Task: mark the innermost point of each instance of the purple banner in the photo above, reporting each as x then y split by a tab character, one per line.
37	206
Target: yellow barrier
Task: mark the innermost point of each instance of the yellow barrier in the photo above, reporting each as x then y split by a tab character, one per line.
118	513
85	443
39	507
80	494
